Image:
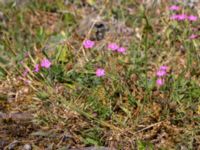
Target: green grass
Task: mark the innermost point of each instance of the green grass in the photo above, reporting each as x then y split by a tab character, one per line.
125	109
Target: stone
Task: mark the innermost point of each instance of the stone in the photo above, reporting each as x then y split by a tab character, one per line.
27	147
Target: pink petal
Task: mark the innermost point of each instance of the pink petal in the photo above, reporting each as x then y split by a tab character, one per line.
36	69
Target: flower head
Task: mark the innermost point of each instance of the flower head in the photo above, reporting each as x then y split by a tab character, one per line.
163	68
174	7
193	36
88	44
36	69
160	81
100	72
113	46
192	18
45	63
121	50
161	73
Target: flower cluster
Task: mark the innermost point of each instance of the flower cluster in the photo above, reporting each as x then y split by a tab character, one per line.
87	44
111	46
115	47
161	73
181	17
45	63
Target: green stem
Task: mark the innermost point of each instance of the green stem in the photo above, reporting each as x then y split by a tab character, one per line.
146	65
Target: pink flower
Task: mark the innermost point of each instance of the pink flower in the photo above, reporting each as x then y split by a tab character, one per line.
45	63
100	72
174	7
160	81
36	69
163	68
161	73
192	18
113	46
121	50
88	44
193	36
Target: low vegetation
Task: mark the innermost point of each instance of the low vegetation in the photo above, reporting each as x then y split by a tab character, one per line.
97	73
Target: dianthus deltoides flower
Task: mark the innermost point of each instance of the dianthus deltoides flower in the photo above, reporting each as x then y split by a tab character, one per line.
160	82
88	44
100	72
45	63
192	18
161	73
113	46
121	50
193	36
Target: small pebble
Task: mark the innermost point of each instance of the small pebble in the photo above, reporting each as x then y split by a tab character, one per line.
27	147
